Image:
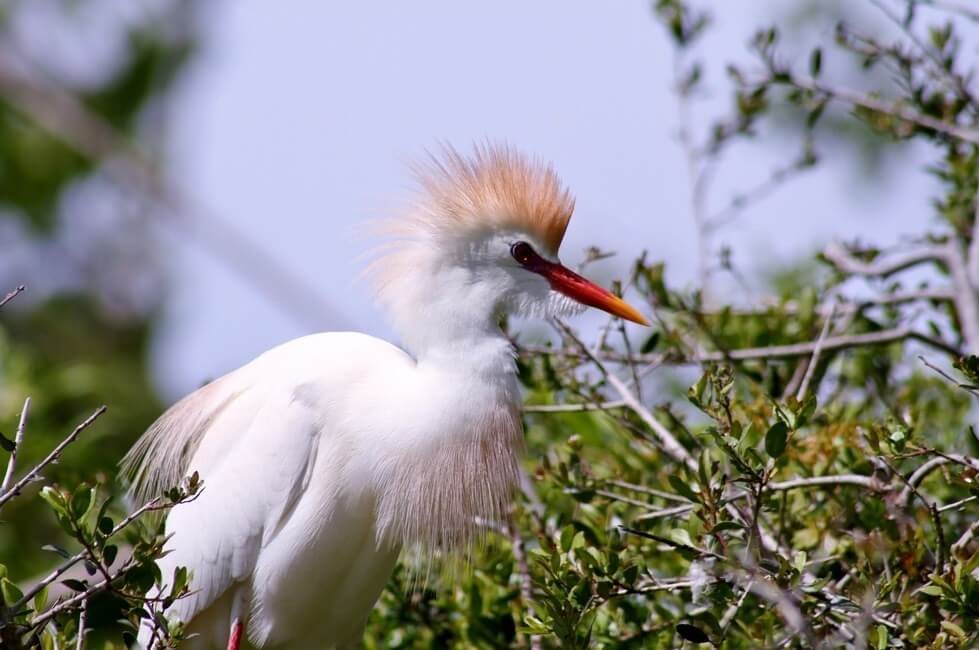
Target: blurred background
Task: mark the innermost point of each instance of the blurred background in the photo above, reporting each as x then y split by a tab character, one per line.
181	184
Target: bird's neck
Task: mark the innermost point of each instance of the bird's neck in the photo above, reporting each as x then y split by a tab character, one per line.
445	319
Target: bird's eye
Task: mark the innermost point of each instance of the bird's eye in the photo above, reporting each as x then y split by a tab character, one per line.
522	252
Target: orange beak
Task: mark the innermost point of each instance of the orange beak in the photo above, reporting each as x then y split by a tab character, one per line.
579	289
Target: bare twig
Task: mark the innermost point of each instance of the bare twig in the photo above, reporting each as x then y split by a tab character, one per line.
847	262
754	195
966	537
670	444
973	255
966	297
787	351
573	408
10	296
625	485
966	387
703	552
82	617
50	458
859	480
954	81
960	8
526	583
8	476
816	351
957	504
869	102
732	611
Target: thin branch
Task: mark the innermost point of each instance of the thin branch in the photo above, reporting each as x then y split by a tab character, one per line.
919	475
960	8
966	297
754	195
966	537
844	260
50	458
957	504
10	296
973	254
816	351
526	583
966	387
573	408
82	616
703	552
670	444
869	102
957	83
669	496
8	476
732	611
867	482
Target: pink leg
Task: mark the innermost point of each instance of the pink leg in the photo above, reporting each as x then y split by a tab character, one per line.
234	643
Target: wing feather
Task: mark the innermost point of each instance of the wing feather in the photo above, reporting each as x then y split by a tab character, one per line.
254	457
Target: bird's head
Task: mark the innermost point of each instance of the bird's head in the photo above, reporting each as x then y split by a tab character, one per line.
481	240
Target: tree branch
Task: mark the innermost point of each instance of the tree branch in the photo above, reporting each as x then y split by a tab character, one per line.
869	102
10	296
8	476
867	482
50	458
844	260
670	444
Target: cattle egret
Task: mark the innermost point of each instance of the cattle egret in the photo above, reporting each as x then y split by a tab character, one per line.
325	456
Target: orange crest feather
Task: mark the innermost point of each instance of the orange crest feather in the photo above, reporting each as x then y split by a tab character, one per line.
497	187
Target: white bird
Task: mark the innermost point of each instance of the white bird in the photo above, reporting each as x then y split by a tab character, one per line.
325	456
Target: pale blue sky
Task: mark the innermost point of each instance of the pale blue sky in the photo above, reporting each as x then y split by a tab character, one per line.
296	124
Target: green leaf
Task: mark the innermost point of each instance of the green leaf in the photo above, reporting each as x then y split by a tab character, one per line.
74	585
6	443
881	637
931	590
179	581
567	537
109	554
681	536
682	488
650	343
816	62
776	438
954	629
692	633
54	498
696	392
106	525
11	592
40	600
53	548
82	501
723	526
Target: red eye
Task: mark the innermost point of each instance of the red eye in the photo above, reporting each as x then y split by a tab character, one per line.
523	252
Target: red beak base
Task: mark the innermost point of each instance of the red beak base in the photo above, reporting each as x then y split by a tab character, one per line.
579	289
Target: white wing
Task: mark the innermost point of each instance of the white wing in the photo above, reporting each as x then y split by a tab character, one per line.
254	459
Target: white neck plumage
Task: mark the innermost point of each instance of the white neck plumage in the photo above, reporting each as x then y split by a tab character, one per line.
436	493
